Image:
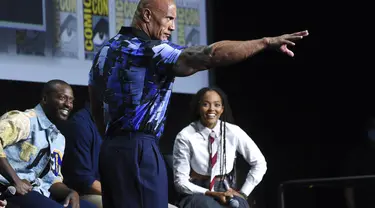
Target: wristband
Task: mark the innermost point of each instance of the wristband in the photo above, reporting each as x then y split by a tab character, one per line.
242	194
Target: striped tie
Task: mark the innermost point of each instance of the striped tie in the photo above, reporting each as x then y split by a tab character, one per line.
213	158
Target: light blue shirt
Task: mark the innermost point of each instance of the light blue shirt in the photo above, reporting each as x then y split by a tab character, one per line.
33	146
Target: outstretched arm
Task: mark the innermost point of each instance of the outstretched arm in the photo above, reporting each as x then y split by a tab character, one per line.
223	53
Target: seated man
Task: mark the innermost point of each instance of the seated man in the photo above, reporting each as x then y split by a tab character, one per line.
80	166
32	148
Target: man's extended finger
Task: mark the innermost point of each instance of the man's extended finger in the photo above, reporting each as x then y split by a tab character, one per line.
301	33
293	38
288	42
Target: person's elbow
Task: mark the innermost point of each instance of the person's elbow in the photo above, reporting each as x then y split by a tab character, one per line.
183	70
178	184
79	180
190	63
87	182
181	186
83	183
259	168
263	165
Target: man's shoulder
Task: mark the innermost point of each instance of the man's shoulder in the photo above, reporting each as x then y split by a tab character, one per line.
80	119
136	46
17	121
19	115
82	113
121	44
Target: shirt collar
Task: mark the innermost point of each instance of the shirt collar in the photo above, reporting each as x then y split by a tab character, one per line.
44	122
205	131
136	32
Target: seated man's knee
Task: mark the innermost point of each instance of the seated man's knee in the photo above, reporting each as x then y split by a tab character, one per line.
33	199
200	201
96	200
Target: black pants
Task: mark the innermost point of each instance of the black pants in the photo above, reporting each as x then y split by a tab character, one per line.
34	199
203	201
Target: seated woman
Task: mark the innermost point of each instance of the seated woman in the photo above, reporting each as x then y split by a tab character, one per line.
204	155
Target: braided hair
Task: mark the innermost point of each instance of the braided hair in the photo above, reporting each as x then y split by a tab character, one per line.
225	117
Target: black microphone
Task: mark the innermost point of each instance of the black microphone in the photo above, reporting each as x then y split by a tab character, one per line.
10	191
232	202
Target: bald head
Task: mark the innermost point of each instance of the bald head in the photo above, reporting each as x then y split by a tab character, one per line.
156	18
154	4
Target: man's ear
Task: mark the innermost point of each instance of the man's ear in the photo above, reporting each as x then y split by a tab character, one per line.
44	99
147	15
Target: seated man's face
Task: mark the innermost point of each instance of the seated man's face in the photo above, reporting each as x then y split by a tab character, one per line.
59	103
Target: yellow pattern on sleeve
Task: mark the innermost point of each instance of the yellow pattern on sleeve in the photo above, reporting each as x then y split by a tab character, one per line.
14	126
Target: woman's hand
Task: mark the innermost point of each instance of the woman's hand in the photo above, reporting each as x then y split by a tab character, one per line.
222	197
234	193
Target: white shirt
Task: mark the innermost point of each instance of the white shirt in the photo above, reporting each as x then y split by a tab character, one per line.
190	151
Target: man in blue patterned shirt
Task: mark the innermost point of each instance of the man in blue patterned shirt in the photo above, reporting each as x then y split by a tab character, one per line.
131	79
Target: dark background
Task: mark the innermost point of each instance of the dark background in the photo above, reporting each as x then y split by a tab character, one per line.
27	12
306	113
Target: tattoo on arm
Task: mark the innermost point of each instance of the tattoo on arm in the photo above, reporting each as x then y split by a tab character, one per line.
192	60
222	53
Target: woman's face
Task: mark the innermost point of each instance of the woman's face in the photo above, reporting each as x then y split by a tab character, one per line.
210	108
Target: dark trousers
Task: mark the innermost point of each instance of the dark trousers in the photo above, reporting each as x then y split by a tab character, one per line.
34	199
133	172
203	201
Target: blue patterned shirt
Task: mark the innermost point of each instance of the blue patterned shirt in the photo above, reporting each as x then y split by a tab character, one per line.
132	75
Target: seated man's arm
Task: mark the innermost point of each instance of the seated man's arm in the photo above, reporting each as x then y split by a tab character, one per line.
78	165
96	188
60	192
14	127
